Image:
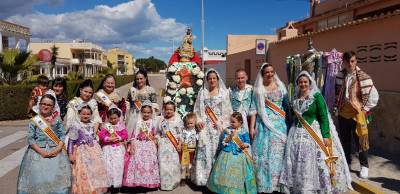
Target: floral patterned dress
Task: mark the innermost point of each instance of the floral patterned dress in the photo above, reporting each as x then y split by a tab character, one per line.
89	170
268	148
209	137
141	168
168	156
115	97
114	153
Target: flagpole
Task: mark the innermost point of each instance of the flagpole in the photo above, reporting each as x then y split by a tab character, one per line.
202	34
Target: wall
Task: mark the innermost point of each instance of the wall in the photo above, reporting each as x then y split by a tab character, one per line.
384	130
374	39
241	48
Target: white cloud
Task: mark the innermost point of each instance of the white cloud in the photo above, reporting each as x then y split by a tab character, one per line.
132	25
12	7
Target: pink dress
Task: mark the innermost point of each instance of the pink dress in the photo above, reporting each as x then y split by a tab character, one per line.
114	153
141	168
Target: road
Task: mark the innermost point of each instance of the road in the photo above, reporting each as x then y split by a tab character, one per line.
384	174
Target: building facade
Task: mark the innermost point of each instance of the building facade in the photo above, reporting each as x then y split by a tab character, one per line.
242	53
215	59
85	58
121	60
13	36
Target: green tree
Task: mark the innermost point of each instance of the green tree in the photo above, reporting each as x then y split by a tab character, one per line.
54	52
14	63
151	64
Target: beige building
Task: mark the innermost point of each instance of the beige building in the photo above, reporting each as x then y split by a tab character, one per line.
241	53
13	36
79	56
121	60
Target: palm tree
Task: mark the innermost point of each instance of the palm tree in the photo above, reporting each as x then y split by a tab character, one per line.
54	52
15	63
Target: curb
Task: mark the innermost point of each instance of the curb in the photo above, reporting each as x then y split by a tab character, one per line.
365	188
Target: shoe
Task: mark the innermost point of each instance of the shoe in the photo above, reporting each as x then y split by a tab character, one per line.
364	172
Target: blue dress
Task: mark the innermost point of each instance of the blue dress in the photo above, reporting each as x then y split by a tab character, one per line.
269	147
44	175
232	172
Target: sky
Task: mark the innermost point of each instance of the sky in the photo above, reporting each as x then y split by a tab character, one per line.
150	27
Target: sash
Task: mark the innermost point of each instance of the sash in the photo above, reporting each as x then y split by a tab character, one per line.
275	108
104	99
137	103
110	129
42	124
210	113
330	160
172	139
145	130
185	159
239	143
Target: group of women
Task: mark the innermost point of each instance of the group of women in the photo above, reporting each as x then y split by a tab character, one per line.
285	156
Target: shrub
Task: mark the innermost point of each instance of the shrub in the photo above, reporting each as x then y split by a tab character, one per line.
14	99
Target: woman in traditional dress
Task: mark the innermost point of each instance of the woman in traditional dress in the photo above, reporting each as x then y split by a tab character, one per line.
307	167
83	98
107	96
59	87
45	168
140	92
268	128
213	109
168	147
141	167
88	169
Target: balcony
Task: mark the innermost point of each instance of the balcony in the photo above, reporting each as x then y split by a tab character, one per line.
74	61
93	62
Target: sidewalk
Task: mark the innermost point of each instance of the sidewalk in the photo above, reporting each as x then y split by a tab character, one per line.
384	174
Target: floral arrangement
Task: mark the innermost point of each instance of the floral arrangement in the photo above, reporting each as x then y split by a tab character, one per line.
184	80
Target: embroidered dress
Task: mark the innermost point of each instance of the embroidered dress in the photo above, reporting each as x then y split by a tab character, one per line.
233	172
89	170
39	175
268	147
141	168
168	156
304	167
189	140
146	93
114	153
115	98
209	137
333	61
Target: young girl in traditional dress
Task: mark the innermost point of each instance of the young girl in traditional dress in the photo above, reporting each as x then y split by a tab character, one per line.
233	171
170	129
112	136
88	169
141	167
45	167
